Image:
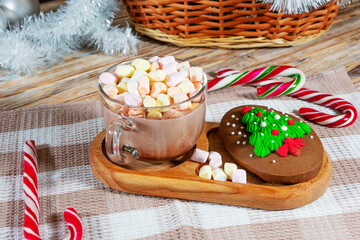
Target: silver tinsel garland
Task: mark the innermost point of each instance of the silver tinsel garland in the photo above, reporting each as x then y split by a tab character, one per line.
47	38
300	6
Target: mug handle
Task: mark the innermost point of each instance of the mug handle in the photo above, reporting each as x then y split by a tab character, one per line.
126	154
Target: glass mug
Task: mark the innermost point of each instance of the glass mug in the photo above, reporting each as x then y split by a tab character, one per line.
131	133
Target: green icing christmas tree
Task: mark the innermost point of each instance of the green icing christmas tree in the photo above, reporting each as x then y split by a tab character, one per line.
273	132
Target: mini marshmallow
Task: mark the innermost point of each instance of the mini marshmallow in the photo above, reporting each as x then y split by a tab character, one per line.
174	79
171	113
125	79
158	88
163	99
166	60
154	114
215	163
132	86
185	71
110	90
172	91
132	100
218	174
107	78
183	64
196	74
193	106
193	93
137	74
205	172
170	68
180	98
141	64
154	59
154	66
199	156
122	87
239	176
229	168
123	70
136	113
186	86
120	97
149	101
157	75
143	84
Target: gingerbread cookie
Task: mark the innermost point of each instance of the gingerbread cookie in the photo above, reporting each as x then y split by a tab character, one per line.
277	147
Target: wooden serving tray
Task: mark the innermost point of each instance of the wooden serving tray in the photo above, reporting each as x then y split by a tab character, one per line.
179	179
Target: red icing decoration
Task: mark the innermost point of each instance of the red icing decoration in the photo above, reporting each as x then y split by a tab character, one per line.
245	110
275	132
299	141
290	122
283	150
292	145
259	114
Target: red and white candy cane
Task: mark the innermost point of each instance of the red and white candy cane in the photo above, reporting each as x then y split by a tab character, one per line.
262	78
32	207
267	87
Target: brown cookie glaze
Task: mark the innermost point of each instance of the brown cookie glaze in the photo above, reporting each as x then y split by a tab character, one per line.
271	168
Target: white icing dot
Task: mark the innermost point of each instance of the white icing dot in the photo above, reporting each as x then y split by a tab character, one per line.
244	142
242	127
245	136
274	125
301	121
263	124
237	119
286	118
272	141
272	110
252	107
311	137
286	134
239	133
233	125
284	128
262	134
268	107
251	155
232	116
238	142
299	127
277	117
264	118
232	133
255	123
252	113
273	161
286	115
227	124
283	112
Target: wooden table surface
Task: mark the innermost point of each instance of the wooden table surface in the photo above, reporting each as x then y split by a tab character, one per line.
76	78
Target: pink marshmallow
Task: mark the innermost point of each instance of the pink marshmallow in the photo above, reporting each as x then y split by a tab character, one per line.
172	91
170	68
111	90
144	84
180	98
183	64
185	71
107	78
166	60
157	88
215	160
154	59
199	156
154	66
120	97
239	176
132	100
196	74
174	79
193	93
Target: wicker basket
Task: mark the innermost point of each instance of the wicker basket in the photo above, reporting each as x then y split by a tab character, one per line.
227	23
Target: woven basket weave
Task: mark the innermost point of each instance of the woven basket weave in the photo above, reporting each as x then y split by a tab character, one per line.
227	23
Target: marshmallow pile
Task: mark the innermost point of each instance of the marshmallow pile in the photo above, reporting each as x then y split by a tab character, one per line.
156	82
214	170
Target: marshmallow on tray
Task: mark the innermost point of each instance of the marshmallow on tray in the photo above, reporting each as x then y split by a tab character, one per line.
239	176
205	172
199	156
215	160
218	174
229	169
